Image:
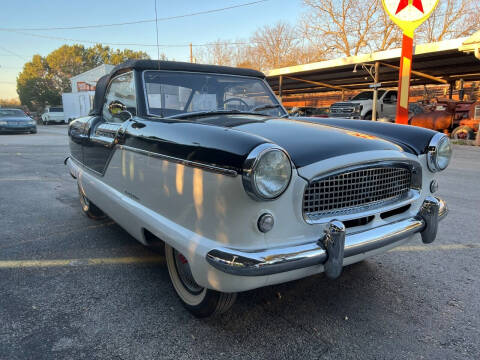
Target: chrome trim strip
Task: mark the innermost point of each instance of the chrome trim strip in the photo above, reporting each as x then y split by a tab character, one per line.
443	208
207	167
272	261
432	152
251	163
264	81
103	140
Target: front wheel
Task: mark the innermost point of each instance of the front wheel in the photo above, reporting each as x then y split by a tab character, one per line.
200	301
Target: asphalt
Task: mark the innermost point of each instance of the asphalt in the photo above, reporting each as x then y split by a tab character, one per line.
75	288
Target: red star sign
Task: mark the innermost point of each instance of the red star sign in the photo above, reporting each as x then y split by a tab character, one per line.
404	3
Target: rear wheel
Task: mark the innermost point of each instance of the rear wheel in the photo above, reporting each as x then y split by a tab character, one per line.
463	133
200	301
88	208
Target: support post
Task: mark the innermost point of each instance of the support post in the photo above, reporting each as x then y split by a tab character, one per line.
191	53
450	90
404	79
375	92
343	95
280	83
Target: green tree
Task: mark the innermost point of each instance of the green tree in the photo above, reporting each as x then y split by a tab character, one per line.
44	79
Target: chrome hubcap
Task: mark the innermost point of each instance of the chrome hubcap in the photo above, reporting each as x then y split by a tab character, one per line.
185	274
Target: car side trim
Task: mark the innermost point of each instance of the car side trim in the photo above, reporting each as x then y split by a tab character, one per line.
207	167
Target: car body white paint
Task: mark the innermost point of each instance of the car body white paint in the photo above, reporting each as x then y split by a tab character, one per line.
195	211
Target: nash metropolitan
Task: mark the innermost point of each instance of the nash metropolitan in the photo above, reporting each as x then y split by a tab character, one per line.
204	161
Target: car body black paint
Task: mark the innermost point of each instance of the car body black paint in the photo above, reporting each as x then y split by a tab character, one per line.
411	138
225	140
227	146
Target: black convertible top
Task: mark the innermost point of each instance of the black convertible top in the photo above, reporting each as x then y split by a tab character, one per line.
140	65
184	66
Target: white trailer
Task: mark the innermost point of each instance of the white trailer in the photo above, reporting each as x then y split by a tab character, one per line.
77	104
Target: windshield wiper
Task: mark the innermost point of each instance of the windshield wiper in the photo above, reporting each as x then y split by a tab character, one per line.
224	111
266	107
203	113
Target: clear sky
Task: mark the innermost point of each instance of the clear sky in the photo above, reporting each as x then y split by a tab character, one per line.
233	24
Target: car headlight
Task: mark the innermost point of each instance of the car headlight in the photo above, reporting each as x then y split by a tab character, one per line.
267	172
32	122
3	122
439	153
358	108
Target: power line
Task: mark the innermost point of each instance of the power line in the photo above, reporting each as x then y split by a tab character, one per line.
138	21
156	30
12	53
120	44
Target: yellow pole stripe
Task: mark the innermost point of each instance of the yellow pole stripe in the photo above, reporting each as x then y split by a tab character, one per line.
13	264
407	64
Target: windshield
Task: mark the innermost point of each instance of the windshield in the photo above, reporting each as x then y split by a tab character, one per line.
171	94
368	95
56	109
11	112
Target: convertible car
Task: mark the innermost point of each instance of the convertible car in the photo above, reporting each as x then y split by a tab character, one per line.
204	162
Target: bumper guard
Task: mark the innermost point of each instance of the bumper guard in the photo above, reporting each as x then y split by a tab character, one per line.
332	248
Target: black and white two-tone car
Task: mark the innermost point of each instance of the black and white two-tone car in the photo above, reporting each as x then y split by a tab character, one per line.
205	160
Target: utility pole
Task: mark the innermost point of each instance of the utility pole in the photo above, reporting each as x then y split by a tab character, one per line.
191	53
375	91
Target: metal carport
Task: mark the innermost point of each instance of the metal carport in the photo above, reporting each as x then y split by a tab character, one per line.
441	62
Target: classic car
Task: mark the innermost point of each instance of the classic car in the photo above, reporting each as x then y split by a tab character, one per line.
204	161
16	120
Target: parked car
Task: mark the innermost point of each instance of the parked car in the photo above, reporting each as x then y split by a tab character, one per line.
15	120
205	161
361	105
53	114
459	118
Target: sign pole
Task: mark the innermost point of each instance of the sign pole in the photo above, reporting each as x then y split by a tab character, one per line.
404	79
408	15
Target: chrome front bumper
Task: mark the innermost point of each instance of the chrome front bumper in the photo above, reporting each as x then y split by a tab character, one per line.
324	251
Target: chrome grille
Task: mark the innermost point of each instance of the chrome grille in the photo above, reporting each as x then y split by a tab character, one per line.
356	190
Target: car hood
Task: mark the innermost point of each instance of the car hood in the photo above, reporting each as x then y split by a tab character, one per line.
307	142
14	118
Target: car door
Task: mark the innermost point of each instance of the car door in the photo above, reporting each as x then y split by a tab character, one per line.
388	107
105	131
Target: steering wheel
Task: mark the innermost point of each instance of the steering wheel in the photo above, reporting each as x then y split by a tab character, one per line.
236	99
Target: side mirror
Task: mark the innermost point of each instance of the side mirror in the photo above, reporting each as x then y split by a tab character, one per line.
115	107
119	110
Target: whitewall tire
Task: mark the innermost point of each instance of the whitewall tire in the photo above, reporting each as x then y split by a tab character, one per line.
200	301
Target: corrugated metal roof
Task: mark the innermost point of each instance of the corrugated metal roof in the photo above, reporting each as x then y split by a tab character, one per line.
448	60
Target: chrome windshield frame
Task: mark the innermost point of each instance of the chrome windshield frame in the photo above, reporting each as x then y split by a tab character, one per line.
268	91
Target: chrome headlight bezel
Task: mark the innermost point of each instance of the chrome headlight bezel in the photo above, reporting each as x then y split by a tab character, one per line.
251	164
435	146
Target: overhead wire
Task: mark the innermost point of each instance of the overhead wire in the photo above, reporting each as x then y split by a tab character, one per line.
137	21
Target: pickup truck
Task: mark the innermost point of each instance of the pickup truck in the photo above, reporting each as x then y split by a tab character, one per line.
360	106
53	115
